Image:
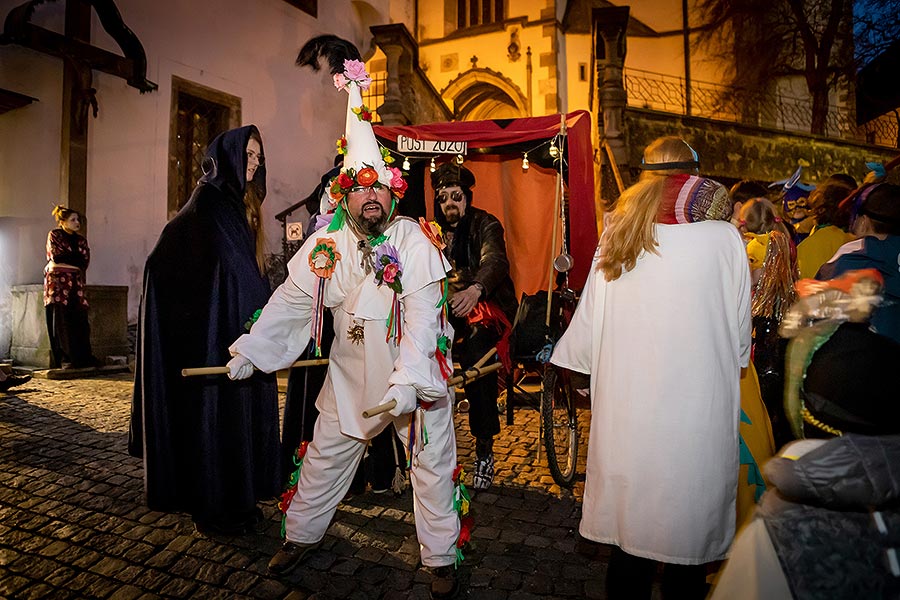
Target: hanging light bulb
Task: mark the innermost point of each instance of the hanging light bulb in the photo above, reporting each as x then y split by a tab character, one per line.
406	166
459	159
432	167
554	151
525	162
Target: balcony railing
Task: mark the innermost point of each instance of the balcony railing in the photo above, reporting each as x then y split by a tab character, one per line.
666	93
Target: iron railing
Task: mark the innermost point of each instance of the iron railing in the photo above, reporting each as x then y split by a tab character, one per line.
667	93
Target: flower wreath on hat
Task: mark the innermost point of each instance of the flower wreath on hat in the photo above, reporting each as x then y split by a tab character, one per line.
366	177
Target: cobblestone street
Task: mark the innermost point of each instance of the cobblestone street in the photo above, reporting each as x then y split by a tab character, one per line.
73	522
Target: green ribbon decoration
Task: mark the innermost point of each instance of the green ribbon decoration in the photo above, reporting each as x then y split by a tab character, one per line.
445	292
338	221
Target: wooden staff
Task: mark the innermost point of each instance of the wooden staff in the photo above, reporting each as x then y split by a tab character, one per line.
472	374
469	376
224	370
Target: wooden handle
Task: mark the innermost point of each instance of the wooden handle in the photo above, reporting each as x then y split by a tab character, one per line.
472	374
204	371
466	377
192	372
381	408
484	359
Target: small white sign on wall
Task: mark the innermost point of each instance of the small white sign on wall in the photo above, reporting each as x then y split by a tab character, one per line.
294	231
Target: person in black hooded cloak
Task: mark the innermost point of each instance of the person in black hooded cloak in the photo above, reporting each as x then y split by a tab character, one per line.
210	445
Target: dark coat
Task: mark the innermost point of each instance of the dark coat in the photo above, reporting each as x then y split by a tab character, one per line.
210	445
479	255
820	517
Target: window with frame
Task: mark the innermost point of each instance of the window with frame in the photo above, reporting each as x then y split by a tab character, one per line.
470	13
198	115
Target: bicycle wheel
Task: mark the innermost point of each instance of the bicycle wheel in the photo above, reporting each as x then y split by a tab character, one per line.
560	423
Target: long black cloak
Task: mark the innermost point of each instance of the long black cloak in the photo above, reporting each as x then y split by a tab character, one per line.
210	445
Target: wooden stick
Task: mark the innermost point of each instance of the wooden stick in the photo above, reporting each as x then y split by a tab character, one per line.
484	358
193	372
466	377
473	374
381	408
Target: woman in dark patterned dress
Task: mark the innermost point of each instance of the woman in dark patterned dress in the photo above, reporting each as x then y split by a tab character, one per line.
65	301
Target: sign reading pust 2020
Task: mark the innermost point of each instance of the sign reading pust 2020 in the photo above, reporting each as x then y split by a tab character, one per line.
405	144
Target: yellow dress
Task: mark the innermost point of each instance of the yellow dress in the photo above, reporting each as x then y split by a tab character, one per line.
757	444
818	248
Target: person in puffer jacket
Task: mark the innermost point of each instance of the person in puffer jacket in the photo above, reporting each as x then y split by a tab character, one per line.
830	528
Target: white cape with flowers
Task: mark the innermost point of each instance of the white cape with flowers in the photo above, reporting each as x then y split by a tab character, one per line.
664	345
359	374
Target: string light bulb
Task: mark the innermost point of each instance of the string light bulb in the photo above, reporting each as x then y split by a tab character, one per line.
406	166
459	159
525	162
554	151
431	167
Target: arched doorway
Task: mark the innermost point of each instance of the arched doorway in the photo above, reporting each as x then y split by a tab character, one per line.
485	94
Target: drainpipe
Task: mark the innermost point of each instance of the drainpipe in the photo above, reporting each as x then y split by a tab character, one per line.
686	31
528	73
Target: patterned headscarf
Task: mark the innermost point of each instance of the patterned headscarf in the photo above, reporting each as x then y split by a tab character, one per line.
691	199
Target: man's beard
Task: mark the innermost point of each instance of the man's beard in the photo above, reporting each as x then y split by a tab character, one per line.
452	215
373	225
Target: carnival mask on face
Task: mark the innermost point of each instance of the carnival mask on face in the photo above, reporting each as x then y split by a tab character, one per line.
796	209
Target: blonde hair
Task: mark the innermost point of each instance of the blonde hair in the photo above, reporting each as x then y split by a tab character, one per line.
631	228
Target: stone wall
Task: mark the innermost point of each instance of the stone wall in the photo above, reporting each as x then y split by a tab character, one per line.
730	151
108	318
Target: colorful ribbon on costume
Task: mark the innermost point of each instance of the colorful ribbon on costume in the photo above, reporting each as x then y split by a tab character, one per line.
323	259
417	437
440	354
461	501
338	220
394	325
288	495
318	317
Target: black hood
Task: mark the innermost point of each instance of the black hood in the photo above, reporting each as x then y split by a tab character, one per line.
225	164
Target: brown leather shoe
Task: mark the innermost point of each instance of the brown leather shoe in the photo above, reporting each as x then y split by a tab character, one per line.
445	584
290	554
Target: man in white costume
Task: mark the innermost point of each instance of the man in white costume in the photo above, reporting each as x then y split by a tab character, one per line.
382	278
663	328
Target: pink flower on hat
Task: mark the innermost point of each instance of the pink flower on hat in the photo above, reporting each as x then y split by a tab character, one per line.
355	70
398	184
340	82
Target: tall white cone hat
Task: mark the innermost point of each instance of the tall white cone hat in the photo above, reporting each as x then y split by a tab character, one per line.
363	162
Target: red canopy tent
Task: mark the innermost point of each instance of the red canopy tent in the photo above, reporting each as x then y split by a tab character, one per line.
523	200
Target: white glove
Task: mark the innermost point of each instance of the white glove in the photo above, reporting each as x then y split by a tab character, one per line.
239	367
405	395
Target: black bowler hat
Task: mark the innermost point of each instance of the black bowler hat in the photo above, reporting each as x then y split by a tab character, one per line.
450	174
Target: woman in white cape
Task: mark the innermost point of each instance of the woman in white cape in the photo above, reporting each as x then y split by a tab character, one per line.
663	328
